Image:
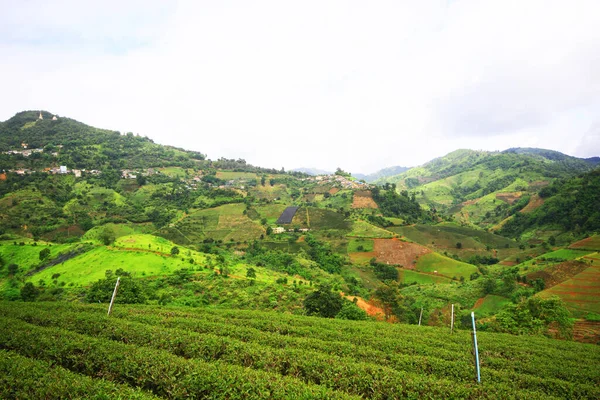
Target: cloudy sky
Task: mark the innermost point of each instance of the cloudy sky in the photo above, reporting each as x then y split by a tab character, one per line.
359	85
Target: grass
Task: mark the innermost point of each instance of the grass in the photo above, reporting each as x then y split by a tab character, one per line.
226	222
554	257
270	211
490	305
445	266
365	244
232	175
410	276
28	256
90	266
364	229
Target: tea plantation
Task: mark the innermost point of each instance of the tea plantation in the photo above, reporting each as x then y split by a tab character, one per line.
68	350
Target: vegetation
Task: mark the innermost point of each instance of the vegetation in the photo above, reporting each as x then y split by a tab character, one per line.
501	234
244	354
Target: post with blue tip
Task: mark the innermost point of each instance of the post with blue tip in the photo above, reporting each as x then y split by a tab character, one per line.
475	350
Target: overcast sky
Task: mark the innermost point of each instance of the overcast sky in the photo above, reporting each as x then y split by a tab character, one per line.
359	85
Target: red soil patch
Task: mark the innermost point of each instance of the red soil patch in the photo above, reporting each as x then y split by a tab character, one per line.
509	198
479	302
363	199
394	251
3	177
333	190
369	306
534	202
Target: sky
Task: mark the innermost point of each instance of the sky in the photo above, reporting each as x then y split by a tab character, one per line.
360	85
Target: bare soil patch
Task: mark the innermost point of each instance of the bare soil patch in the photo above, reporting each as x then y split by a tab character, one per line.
394	251
363	199
333	190
368	306
509	198
479	302
534	202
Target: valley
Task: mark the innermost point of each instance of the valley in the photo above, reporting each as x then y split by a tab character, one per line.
512	236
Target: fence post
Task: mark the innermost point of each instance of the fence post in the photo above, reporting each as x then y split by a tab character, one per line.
452	320
112	300
420	315
475	350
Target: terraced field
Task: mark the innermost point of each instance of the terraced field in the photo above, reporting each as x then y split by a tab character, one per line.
150	352
591	243
580	293
226	223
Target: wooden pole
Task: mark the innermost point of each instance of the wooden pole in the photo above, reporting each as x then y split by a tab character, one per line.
420	316
452	320
475	350
112	300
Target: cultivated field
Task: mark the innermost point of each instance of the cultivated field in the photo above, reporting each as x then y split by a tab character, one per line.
580	293
363	199
591	243
446	266
152	352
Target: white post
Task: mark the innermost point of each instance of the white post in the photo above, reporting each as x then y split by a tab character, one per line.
420	315
476	353
112	300
452	320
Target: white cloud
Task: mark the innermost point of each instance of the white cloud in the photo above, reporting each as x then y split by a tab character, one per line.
325	84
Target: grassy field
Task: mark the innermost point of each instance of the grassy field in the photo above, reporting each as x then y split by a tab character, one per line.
226	223
409	276
232	175
365	244
489	305
28	255
552	258
270	211
158	352
90	266
363	229
445	266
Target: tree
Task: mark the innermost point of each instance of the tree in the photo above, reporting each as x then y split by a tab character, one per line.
458	245
130	290
13	269
44	254
174	250
251	273
534	316
269	230
323	302
29	292
351	311
107	236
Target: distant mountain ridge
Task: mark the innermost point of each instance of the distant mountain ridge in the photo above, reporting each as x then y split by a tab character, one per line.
382	173
312	171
